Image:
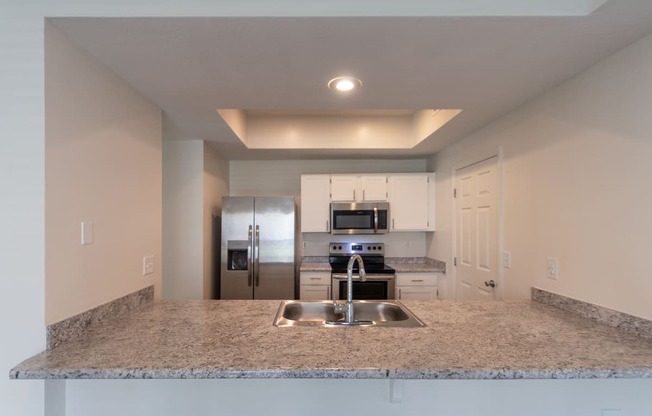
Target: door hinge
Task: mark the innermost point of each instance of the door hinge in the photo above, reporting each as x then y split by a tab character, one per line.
454	261
454	192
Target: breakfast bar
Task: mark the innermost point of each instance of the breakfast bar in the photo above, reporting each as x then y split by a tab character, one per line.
226	339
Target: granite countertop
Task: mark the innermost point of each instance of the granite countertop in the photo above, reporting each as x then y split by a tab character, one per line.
415	267
236	339
315	266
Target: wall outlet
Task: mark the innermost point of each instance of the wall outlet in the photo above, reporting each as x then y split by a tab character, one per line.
507	259
148	265
552	268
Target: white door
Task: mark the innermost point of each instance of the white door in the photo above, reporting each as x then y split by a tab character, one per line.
476	205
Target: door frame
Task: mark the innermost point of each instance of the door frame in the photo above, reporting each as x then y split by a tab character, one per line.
466	162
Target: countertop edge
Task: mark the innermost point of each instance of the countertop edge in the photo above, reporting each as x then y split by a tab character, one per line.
441	374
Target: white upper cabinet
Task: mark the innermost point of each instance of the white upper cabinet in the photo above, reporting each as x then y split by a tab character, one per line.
373	188
359	188
343	188
315	203
411	197
409	202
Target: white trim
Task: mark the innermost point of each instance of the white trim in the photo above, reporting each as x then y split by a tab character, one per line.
500	293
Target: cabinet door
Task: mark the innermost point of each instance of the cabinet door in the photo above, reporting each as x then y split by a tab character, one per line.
416	293
343	188
408	195
374	188
315	292
315	203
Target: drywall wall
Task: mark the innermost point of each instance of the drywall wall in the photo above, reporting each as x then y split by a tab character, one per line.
102	165
22	202
365	397
576	172
195	177
216	185
183	219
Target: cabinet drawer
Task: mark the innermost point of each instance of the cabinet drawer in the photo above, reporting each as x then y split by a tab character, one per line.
416	293
309	292
416	279
315	278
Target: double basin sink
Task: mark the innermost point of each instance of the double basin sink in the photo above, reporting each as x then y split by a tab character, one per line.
381	313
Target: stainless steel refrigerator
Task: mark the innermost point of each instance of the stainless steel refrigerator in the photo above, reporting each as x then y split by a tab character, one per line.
257	259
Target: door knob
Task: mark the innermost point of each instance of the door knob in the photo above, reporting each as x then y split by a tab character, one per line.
490	283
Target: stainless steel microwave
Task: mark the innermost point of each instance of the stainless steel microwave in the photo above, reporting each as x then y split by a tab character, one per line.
359	217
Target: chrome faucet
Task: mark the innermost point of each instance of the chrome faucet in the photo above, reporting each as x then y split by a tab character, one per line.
347	308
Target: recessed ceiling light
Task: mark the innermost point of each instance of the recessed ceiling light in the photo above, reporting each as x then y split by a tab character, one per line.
344	84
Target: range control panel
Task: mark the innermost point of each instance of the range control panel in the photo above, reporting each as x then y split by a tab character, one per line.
348	249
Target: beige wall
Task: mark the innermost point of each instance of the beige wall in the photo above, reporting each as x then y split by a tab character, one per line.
183	219
216	185
195	177
577	169
103	164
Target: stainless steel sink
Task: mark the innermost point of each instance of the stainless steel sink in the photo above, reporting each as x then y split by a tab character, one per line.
385	313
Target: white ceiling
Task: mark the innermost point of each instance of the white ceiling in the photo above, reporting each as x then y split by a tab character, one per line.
192	66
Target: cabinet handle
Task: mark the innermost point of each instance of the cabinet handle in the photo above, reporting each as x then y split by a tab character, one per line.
399	294
417	280
315	278
354	194
363	198
328	293
393	223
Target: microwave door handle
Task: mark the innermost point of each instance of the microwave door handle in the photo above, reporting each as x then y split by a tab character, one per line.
249	254
375	219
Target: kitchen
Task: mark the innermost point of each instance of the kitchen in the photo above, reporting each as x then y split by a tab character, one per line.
550	131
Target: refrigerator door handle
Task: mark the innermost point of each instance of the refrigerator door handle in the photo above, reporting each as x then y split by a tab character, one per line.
257	257
249	253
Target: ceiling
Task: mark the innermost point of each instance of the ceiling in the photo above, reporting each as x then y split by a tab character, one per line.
484	65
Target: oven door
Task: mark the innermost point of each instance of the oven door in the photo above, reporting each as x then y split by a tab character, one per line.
376	287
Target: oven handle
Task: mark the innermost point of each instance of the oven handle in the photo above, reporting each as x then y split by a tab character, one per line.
370	276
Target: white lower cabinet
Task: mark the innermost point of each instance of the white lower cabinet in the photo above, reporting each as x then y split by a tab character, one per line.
315	286
416	286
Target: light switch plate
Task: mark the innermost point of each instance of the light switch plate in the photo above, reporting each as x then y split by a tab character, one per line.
552	268
507	259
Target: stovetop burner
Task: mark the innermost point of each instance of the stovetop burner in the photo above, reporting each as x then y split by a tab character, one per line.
373	256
